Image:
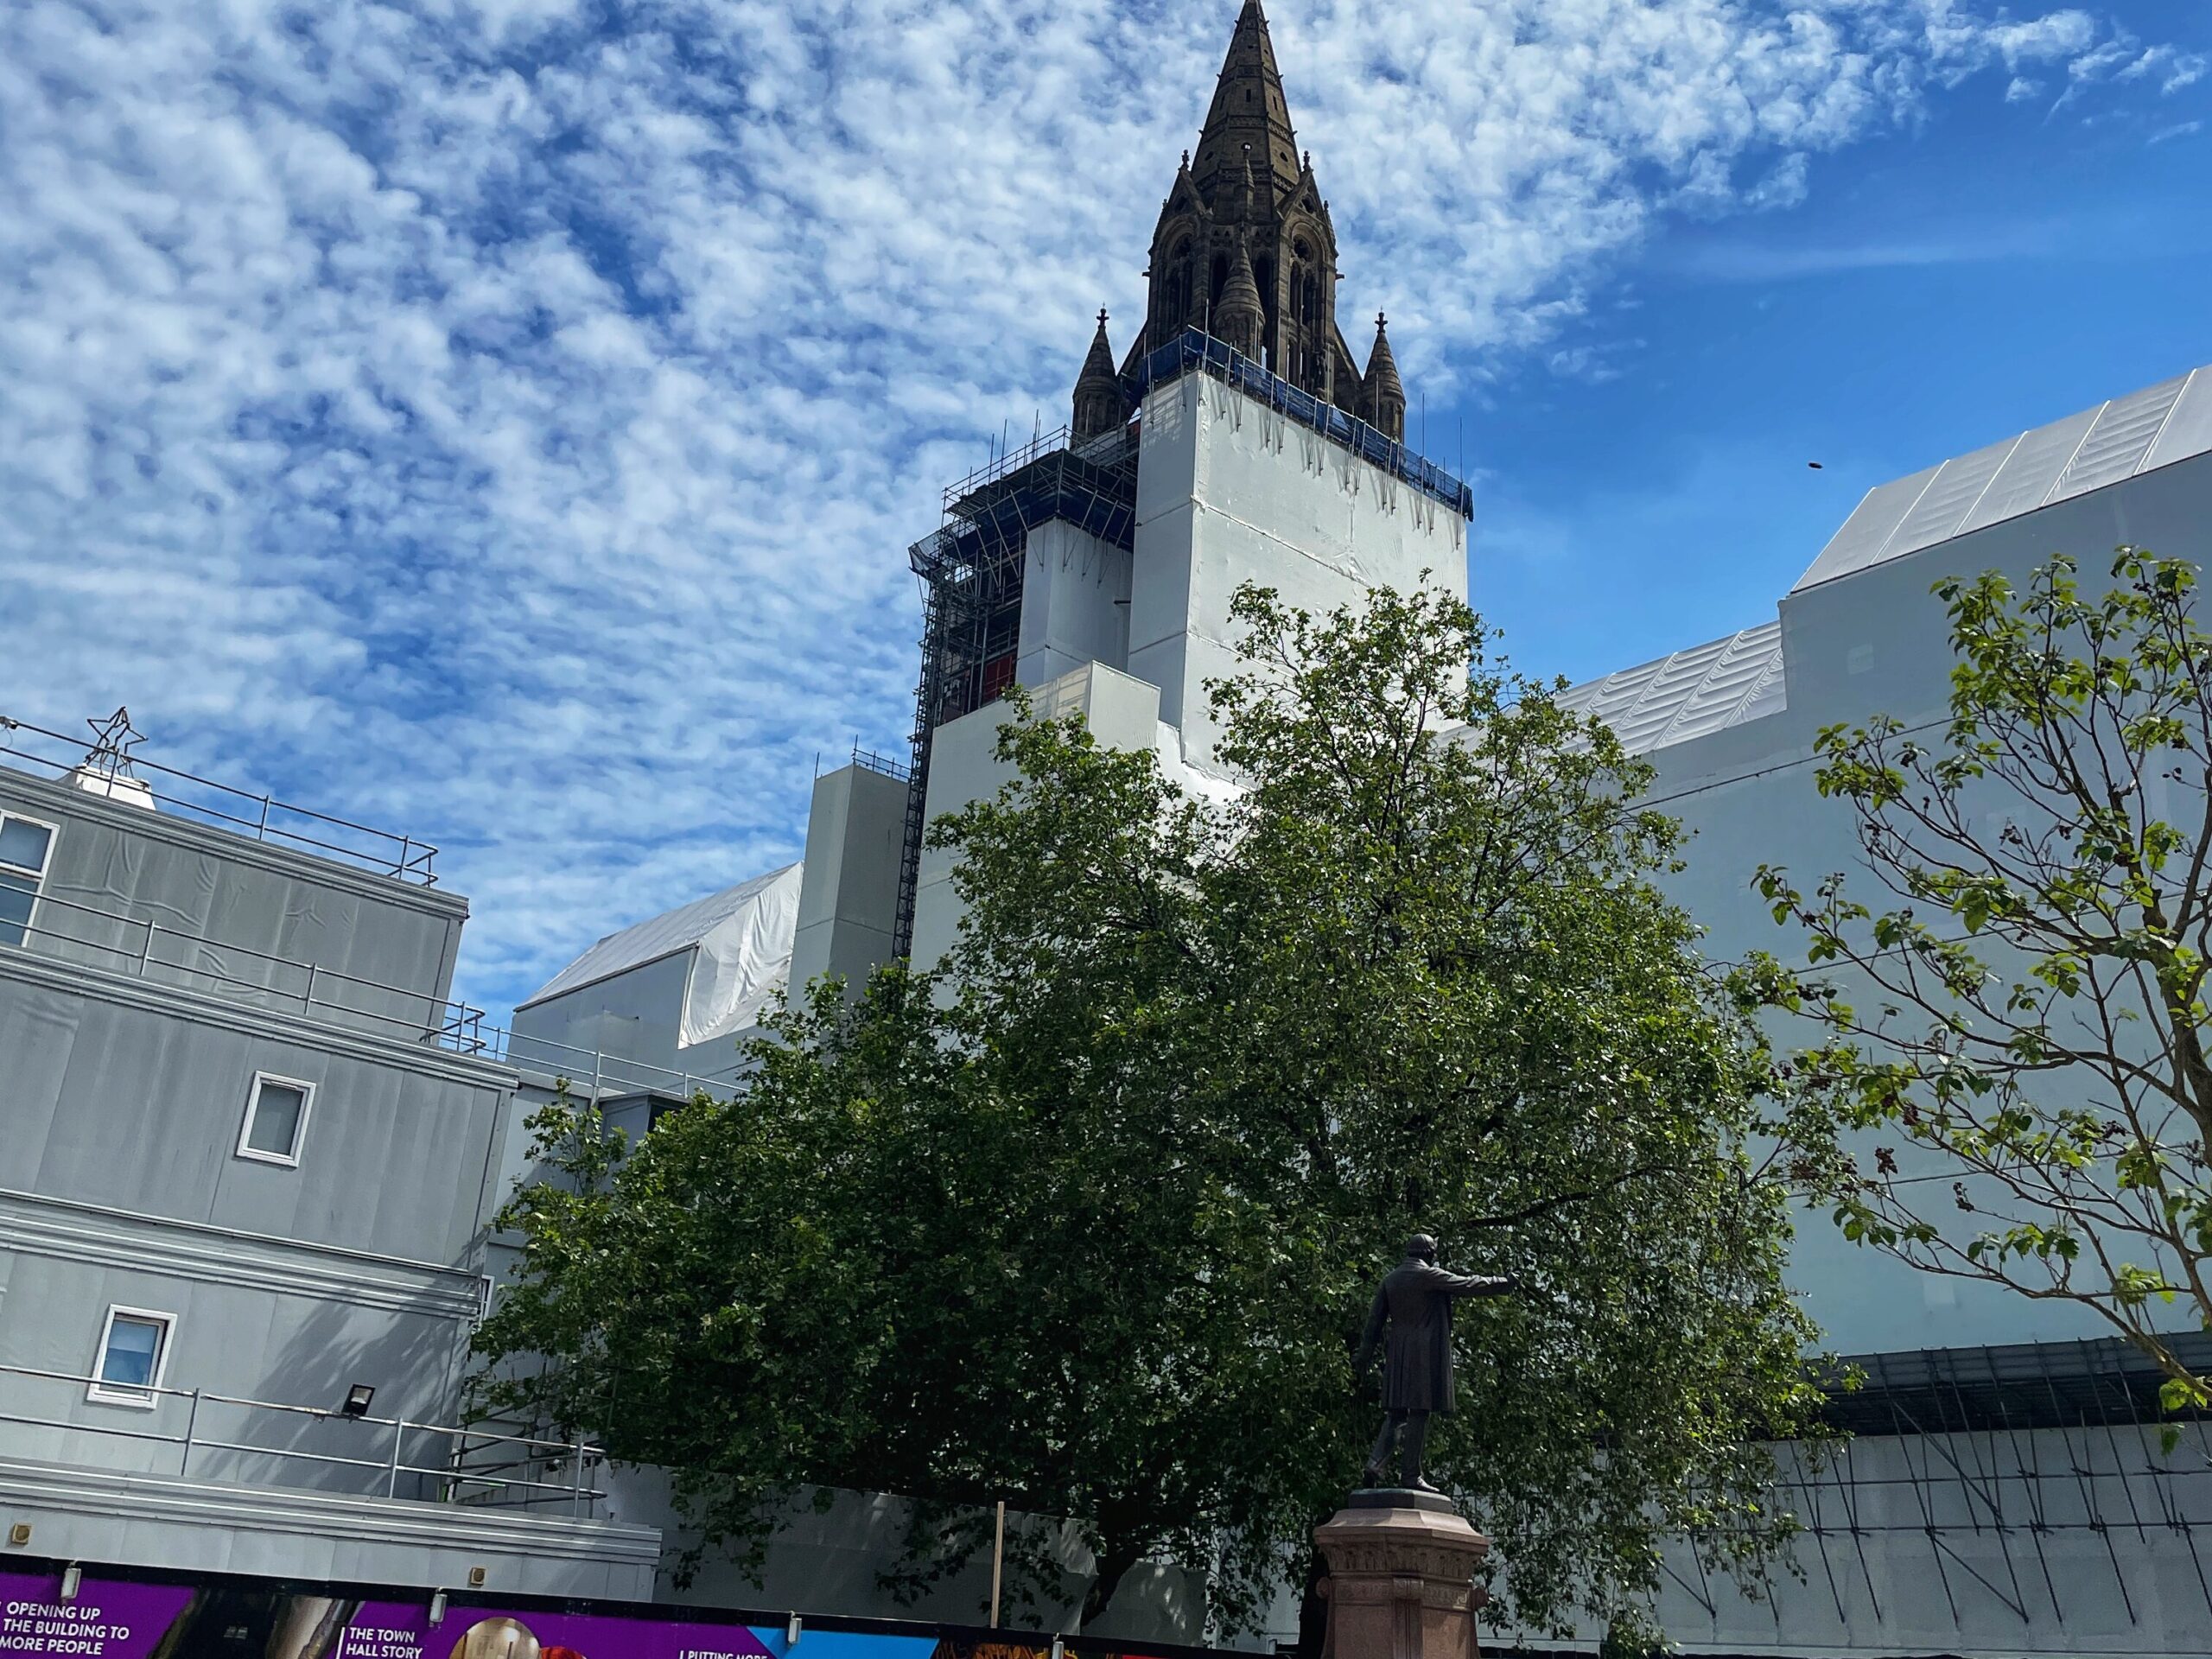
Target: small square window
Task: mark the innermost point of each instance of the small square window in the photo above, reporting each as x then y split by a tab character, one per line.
24	844
276	1119
134	1353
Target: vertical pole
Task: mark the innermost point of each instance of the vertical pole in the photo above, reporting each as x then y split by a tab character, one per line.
191	1428
398	1436
576	1502
308	1006
998	1563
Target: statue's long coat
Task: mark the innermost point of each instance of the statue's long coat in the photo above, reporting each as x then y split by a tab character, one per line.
1416	1302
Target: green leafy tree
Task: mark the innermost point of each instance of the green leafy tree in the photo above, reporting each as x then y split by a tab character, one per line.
2023	1012
1090	1217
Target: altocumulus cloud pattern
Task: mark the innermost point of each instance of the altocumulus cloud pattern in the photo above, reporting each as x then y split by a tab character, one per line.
506	420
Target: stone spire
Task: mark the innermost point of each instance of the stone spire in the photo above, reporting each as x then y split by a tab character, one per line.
1241	318
1246	213
1102	404
1249	109
1383	394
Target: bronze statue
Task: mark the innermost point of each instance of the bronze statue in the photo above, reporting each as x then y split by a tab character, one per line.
1416	1302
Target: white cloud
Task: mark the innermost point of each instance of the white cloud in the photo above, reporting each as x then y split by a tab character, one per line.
479	418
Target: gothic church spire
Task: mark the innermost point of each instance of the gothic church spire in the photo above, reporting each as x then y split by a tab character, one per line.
1249	111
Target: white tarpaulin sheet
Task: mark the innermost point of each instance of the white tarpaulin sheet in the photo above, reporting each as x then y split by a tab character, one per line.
742	940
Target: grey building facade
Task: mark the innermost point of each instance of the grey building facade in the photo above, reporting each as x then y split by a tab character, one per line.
248	1146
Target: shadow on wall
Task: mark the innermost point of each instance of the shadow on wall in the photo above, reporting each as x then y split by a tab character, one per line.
834	1560
413	1360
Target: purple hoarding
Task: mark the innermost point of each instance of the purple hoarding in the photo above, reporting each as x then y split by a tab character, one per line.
117	1619
107	1620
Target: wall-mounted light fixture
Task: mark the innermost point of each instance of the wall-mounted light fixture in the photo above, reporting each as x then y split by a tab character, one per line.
1059	1648
792	1632
476	1578
437	1606
72	1579
19	1534
357	1401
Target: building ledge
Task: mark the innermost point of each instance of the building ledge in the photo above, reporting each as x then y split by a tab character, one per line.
84	1514
254	1019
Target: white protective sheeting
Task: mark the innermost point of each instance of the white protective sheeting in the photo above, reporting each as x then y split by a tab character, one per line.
742	940
1693	693
2114	441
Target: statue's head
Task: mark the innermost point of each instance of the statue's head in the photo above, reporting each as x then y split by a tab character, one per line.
1422	1245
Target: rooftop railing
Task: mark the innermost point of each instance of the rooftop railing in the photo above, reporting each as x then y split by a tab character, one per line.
602	1073
263	817
71	930
1193	350
897	767
199	1431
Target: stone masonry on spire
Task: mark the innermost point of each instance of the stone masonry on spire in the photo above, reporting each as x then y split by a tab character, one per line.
1246	186
1102	402
1382	393
1245	214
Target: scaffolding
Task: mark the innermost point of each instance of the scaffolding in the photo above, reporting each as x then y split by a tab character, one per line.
2003	1462
971	572
971	567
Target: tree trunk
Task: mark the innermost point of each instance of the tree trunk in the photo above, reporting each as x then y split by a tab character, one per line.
1114	1561
1313	1609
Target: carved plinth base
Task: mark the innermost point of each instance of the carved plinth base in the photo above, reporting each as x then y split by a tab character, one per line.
1402	1568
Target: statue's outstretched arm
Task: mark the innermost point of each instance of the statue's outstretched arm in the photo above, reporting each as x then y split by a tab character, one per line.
1467	1284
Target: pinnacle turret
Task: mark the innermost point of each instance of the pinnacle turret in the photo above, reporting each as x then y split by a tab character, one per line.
1102	402
1383	394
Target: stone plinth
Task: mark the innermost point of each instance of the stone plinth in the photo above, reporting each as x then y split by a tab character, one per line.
1402	1568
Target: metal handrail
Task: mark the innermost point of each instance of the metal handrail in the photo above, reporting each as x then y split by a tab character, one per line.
388	853
455	1026
1194	349
577	1456
601	1067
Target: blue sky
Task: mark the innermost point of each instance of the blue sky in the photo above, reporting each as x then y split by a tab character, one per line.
504	419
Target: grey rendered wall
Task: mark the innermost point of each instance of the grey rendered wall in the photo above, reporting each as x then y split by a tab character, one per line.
120	1184
849	897
834	1560
1228	492
1122	713
1877	641
1075	604
236	914
636	1015
138	1105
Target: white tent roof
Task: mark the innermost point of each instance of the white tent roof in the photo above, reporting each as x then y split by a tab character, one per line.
1693	693
742	938
2139	432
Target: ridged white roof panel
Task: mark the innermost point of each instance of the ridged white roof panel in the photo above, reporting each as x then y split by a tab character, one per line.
2189	428
1867	532
2117	441
1692	694
2023	483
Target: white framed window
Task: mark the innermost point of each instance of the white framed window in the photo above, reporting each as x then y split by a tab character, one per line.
276	1126
133	1357
26	844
